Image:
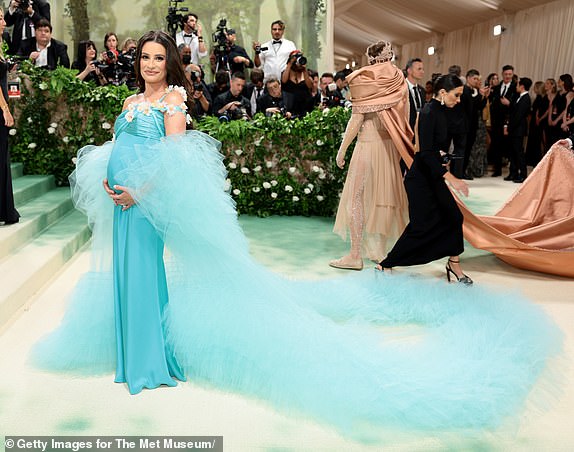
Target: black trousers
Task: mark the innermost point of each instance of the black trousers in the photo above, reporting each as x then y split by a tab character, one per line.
517	158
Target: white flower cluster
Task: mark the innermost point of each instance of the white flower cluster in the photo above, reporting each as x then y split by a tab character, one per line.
52	128
180	89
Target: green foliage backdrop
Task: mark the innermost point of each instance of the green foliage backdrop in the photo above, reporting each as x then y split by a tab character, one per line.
276	166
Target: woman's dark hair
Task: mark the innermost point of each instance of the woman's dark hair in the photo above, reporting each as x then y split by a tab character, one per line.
568	83
111	33
447	82
83	47
489	78
175	74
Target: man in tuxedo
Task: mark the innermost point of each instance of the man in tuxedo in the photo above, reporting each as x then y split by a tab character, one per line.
518	129
415	73
23	20
254	90
272	56
45	51
192	35
501	98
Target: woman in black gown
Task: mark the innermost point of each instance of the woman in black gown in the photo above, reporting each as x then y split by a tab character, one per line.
8	213
435	228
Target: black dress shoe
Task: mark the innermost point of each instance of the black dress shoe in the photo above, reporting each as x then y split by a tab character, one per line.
518	180
510	177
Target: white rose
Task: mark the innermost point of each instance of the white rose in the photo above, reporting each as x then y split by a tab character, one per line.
106	125
266	185
232	165
320	143
54	125
30	120
320	198
245	170
65	139
31	145
274	195
12	132
295	198
269	164
74	160
256	189
91	140
257	168
43	86
51	130
311	186
238	152
316	169
322	176
288	188
292	170
325	111
273	183
236	191
306	191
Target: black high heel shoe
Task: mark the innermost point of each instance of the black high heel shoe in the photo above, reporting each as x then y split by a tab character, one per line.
462	279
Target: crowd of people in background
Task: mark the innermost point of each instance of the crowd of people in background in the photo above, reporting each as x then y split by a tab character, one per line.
497	117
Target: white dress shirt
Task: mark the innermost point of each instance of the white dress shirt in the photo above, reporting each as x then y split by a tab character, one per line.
193	44
274	59
42	59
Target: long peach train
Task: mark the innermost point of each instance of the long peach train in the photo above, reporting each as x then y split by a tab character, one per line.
534	229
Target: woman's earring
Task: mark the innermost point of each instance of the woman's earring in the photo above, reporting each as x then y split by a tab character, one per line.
442	100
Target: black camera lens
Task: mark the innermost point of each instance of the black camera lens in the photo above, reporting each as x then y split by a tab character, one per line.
301	60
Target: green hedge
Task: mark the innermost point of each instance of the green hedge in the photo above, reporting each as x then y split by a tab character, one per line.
276	166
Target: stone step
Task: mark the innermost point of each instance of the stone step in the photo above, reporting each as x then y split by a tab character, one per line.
24	272
29	187
36	216
17	170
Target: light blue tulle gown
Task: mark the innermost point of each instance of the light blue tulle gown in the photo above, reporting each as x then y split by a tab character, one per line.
365	353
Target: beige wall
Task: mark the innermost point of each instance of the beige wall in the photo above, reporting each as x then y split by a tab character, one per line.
538	42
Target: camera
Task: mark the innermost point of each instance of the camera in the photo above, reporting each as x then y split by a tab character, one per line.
195	77
219	36
445	158
259	49
333	97
23	6
174	17
299	59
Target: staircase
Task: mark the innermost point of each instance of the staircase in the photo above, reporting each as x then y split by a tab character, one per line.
49	233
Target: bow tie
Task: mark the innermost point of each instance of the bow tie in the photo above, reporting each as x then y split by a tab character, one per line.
186	35
277	41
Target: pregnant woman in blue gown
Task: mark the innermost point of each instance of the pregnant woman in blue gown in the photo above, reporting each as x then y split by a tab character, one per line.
174	294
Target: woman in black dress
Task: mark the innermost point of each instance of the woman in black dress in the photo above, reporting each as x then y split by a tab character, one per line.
435	228
8	213
87	63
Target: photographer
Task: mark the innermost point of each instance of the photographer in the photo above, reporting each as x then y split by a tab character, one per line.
23	14
298	84
273	101
237	56
192	35
201	96
110	55
45	51
272	55
87	65
232	105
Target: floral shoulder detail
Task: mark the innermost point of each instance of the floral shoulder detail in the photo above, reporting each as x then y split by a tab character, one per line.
146	107
180	89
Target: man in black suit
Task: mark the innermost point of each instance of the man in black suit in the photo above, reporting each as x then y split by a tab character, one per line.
518	129
274	100
23	20
500	100
231	104
44	51
415	73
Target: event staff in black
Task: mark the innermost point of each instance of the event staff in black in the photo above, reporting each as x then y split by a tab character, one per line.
518	129
500	98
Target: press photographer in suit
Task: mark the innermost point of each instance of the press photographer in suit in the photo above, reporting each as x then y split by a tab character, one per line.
45	51
22	15
500	99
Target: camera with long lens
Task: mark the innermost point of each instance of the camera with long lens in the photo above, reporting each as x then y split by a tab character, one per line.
219	37
174	18
299	59
23	6
195	80
231	115
332	97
